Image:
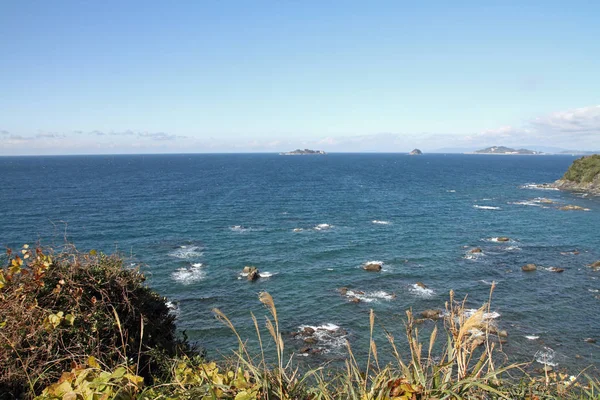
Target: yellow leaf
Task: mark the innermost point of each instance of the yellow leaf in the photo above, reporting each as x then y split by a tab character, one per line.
91	361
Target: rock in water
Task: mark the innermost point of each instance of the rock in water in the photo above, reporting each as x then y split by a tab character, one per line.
431	314
570	207
529	267
421	285
595	265
556	269
252	273
416	152
376	267
475	250
503	239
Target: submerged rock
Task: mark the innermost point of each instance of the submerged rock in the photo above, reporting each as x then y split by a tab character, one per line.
595	265
421	285
556	269
476	250
589	340
503	239
529	267
570	207
343	290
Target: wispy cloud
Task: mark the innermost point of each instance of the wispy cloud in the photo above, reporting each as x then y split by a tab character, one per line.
3	132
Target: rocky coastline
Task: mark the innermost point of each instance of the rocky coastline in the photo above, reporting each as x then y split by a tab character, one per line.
582	176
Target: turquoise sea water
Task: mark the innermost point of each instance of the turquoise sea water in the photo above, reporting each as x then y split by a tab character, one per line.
309	223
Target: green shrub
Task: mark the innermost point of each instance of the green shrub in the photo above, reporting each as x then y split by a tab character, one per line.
56	310
584	170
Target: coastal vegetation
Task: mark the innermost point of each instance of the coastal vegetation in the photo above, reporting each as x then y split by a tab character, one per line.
85	326
505	150
584	170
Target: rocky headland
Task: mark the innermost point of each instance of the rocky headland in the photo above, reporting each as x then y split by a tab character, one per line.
305	152
582	176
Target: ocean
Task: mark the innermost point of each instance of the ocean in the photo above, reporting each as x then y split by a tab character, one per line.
309	224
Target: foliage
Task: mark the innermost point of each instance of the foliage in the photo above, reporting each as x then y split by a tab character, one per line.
584	170
60	309
43	331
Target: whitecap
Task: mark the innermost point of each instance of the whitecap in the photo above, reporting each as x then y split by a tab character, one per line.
486	207
322	227
421	291
374	262
531	337
512	248
593	290
266	274
238	229
488	282
187	252
297	230
451	191
369	297
189	275
376	221
526	203
329	269
546	356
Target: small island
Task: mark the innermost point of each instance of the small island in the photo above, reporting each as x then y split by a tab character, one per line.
582	176
505	150
305	152
416	152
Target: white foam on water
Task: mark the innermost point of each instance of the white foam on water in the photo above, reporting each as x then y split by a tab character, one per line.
374	262
266	274
329	336
546	356
189	275
329	269
512	248
486	316
495	240
376	221
420	291
451	191
239	229
185	252
173	308
531	337
369	297
322	227
537	186
473	256
297	230
593	290
488	282
526	203
486	207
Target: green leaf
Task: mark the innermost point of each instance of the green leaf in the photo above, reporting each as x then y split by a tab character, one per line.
70	318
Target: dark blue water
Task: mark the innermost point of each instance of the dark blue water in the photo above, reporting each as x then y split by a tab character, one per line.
173	212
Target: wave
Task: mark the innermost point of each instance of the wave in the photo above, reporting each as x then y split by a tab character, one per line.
531	337
376	221
173	308
537	186
322	227
546	356
486	207
186	252
420	291
486	316
186	276
488	282
451	191
323	338
369	297
239	229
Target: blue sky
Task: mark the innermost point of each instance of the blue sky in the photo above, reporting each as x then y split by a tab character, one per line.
238	76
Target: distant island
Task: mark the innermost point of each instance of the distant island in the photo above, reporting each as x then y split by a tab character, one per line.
582	176
416	152
304	152
505	150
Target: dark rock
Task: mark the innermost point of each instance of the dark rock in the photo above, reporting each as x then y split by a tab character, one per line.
556	269
431	314
308	331
375	267
311	340
595	265
475	250
589	340
305	350
502	333
529	267
416	152
421	285
253	275
354	300
343	291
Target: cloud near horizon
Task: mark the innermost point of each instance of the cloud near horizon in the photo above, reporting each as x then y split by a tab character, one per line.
575	129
